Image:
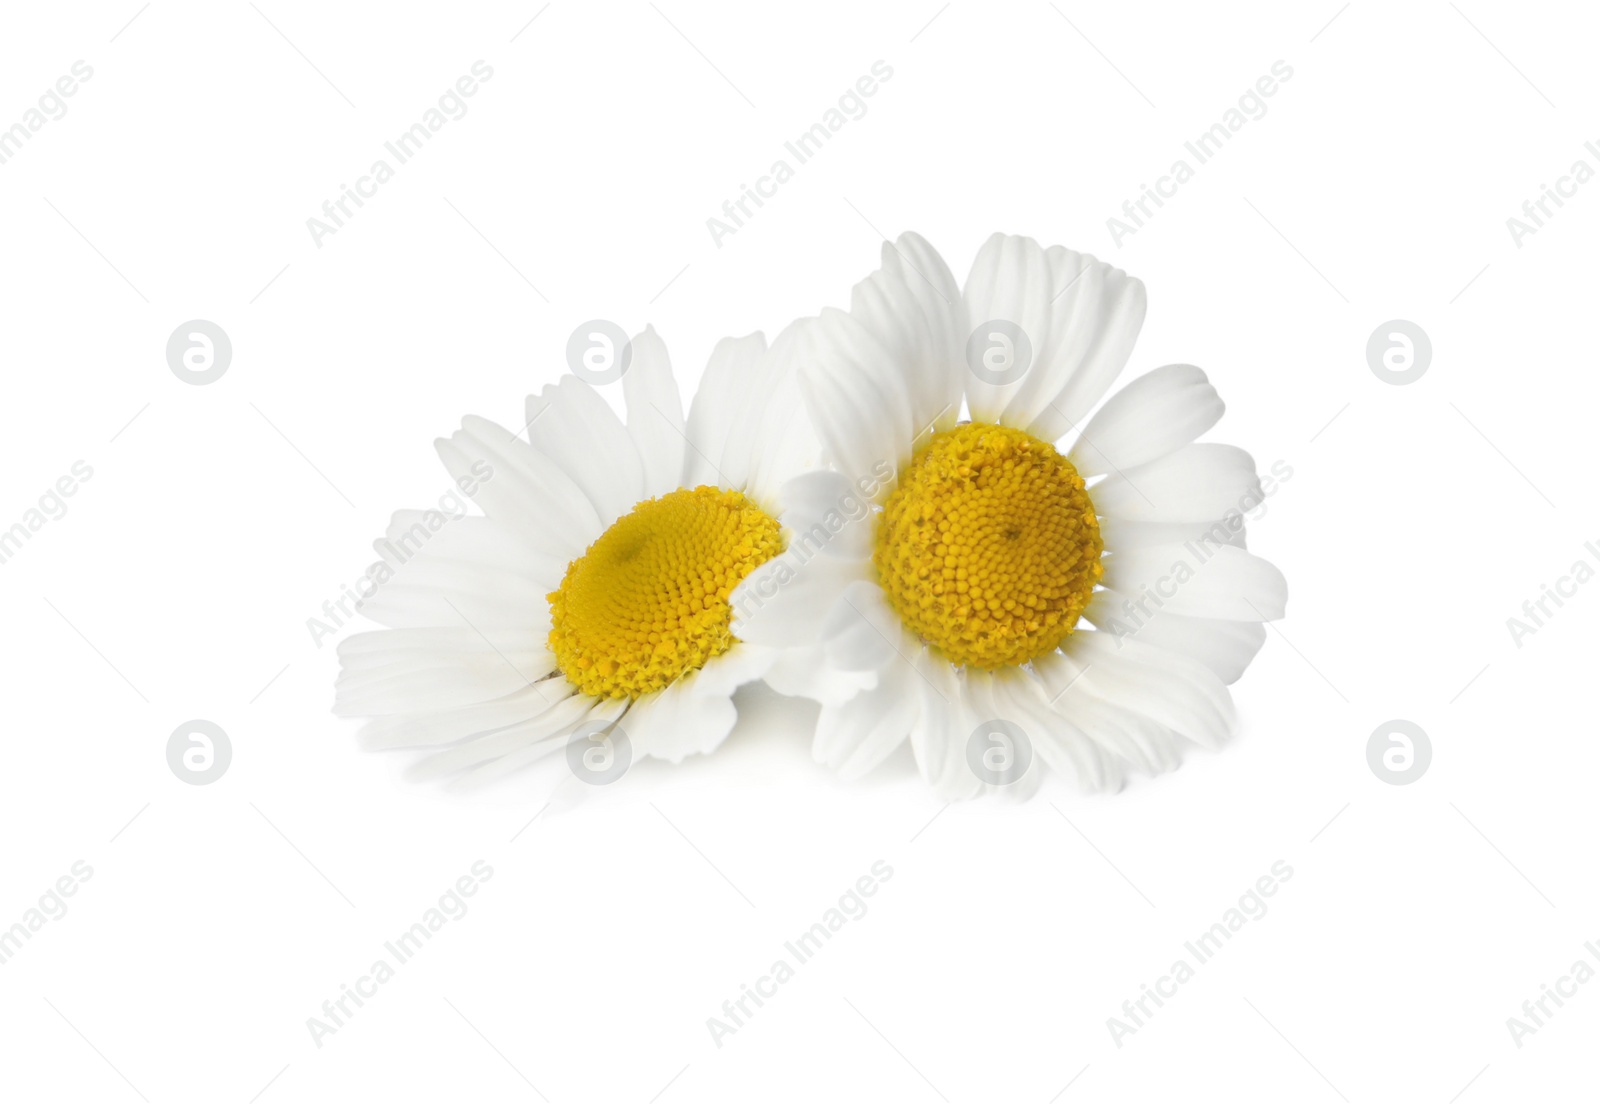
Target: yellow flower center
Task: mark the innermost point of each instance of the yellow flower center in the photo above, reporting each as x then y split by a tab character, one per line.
989	548
648	601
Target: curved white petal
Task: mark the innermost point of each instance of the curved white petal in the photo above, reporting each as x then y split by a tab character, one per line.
435	728
1175	691
804	671
1226	583
487	610
433	591
1059	741
729	671
519	489
655	414
1195	483
862	632
826	513
474	542
571	424
1127	534
864	413
1080	317
939	735
681	719
785	442
377	654
1126	736
786	601
913	306
457	668
888	370
1224	646
988	700
721	427
691	715
542	735
1147	419
854	736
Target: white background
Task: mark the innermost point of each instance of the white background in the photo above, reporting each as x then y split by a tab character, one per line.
219	519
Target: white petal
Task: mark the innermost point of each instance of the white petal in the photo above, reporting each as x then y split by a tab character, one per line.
1126	534
855	736
882	374
545	732
1175	691
1128	737
430	592
655	414
1224	646
939	736
741	664
856	431
456	672
536	743
871	423
468	541
1116	323
393	652
435	728
1193	484
785	602
1060	742
522	594
1143	742
1227	583
520	490
786	443
721	425
1080	316
913	306
804	671
1013	281
1157	413
599	718
679	720
988	701
570	423
387	683
825	513
863	632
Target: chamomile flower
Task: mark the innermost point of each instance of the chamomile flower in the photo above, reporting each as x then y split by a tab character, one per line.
1017	580
592	593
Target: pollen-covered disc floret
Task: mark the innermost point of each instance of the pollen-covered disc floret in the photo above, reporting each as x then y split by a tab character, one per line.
989	548
648	601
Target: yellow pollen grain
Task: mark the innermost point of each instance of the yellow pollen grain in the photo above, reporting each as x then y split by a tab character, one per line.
989	548
648	601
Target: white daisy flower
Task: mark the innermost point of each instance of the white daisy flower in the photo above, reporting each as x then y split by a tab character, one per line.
590	597
1010	601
